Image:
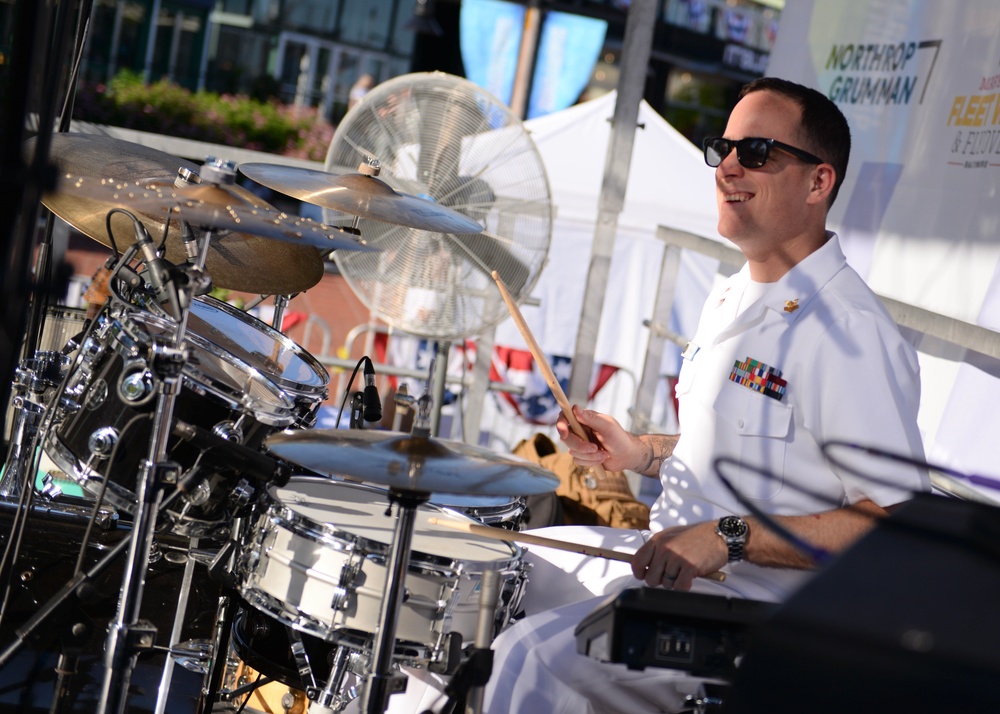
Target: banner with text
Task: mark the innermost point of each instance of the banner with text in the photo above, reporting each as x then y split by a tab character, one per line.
920	211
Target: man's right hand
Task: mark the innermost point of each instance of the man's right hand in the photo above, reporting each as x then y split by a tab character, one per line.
613	447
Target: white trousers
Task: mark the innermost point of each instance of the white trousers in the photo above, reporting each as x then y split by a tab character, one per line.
536	668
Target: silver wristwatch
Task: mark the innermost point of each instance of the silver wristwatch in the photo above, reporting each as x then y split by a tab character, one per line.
734	531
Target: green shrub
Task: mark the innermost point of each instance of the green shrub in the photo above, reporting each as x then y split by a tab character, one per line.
166	108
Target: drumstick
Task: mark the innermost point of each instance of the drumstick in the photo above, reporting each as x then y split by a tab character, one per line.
543	365
519	537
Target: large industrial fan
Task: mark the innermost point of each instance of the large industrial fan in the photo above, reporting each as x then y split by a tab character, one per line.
444	139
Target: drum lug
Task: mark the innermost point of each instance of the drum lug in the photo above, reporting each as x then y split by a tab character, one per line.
242	494
50	489
102	441
230	431
136	386
452	655
345	586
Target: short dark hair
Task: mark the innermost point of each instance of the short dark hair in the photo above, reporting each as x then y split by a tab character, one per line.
824	126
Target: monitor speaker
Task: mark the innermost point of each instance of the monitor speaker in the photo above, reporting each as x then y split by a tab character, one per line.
906	620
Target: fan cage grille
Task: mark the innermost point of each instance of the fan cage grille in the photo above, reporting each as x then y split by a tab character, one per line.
447	140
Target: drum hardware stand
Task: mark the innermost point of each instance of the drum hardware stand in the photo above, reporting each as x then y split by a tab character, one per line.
280	304
175	633
21	465
465	690
127	635
34	421
382	682
221	570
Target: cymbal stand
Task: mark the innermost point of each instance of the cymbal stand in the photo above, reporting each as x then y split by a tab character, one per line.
32	376
280	303
127	635
382	682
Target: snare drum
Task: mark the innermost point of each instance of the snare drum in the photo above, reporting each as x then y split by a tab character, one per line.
318	564
112	388
499	511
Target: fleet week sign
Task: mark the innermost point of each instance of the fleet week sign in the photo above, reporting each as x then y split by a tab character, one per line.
975	116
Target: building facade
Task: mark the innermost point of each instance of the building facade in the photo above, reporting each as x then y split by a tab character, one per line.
312	52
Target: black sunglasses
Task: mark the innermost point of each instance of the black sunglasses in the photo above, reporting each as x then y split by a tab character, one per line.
752	153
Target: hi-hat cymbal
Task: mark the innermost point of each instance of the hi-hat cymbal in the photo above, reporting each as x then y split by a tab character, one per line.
238	260
406	462
360	195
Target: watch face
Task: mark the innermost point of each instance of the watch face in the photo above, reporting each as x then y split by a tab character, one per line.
732	527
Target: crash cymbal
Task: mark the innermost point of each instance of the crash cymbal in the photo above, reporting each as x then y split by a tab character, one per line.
360	195
214	207
407	462
237	261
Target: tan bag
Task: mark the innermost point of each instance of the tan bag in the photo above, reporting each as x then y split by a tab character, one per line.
583	497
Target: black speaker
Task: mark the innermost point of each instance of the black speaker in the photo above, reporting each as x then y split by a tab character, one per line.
906	620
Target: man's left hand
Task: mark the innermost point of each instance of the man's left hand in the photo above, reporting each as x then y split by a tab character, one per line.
674	557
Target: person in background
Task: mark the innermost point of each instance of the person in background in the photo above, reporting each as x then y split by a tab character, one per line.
360	89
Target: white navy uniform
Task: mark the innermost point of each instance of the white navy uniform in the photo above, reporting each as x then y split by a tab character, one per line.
811	358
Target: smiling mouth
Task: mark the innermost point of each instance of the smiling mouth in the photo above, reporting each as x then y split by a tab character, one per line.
737	197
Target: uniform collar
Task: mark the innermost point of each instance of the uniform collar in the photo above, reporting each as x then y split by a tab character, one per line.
790	295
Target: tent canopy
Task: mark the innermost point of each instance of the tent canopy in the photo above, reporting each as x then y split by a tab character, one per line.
668	184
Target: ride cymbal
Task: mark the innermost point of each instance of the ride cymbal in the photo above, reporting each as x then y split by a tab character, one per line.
407	462
360	195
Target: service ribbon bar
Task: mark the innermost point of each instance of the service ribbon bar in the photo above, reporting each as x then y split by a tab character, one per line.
759	377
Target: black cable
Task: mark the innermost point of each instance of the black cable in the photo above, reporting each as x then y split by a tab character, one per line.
161	248
347	391
818	555
249	695
111	233
976	479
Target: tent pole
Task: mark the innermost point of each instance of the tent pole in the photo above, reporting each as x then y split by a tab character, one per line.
635	57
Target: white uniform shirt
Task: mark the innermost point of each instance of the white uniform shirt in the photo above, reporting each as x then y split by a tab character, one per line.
823	361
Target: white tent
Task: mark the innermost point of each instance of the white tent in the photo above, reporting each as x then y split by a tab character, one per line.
668	184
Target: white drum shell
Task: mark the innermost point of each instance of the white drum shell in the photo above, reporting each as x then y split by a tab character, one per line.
318	564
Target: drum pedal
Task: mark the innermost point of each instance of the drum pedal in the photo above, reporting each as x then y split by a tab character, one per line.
450	663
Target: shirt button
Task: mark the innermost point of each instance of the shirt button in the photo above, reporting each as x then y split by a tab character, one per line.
739	423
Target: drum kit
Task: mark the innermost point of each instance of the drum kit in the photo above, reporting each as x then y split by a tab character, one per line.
187	426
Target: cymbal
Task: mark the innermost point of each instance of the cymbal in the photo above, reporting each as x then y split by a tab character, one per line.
217	207
360	195
237	261
407	462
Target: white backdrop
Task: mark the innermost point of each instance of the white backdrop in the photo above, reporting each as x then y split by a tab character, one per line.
920	217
